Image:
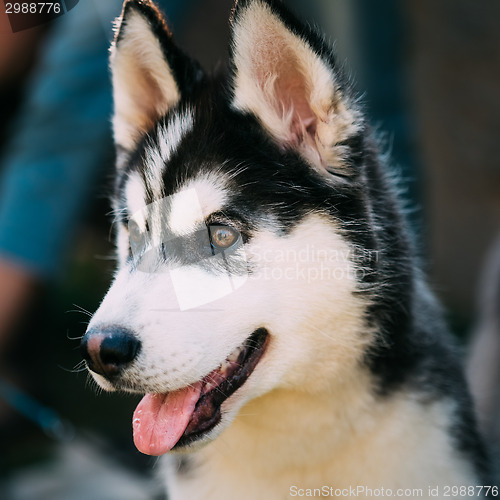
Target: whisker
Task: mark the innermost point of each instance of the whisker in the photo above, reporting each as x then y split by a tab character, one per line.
79	367
80	309
79	337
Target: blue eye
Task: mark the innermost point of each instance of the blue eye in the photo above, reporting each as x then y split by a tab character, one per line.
136	237
134	232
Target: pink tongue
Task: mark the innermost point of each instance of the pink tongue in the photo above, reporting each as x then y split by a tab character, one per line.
161	419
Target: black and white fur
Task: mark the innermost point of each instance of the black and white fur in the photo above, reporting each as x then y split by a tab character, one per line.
359	384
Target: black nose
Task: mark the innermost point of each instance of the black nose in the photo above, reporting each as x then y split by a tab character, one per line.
108	350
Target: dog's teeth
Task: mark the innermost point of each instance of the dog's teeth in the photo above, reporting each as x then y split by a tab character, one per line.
225	367
228	366
233	357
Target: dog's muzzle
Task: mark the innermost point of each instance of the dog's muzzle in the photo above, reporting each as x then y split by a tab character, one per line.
108	350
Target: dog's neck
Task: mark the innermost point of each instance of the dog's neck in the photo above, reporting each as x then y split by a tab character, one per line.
309	440
287	420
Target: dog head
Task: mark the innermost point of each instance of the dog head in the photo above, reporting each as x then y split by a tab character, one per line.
244	238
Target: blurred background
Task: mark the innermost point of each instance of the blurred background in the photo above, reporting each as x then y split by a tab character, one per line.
429	73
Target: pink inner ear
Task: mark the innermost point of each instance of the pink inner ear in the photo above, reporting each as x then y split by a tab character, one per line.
291	94
149	99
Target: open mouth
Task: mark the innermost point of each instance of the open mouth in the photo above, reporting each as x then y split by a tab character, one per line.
172	420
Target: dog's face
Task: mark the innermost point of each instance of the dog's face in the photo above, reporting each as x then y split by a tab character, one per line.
240	212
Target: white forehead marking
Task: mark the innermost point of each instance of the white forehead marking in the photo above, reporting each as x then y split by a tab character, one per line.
170	135
135	197
196	201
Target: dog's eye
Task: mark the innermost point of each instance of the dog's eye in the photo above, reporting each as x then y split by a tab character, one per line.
223	237
136	236
134	231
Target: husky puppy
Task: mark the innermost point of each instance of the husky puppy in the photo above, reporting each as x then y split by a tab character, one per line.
268	303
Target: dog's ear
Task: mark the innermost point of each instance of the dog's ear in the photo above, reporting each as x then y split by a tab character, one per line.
286	75
150	73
